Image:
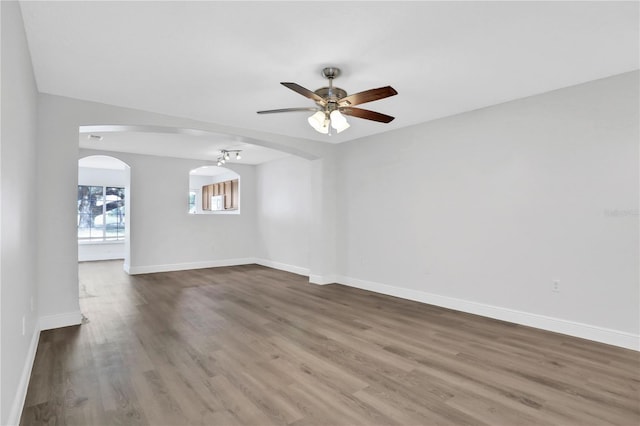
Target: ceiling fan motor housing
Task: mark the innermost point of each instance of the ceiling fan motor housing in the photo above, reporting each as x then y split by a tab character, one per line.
331	94
330	72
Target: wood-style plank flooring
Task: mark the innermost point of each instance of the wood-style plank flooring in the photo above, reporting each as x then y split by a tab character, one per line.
250	345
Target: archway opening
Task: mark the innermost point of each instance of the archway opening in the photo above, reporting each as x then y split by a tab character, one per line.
103	208
214	190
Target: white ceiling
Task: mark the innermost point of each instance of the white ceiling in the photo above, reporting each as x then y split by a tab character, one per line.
222	61
204	146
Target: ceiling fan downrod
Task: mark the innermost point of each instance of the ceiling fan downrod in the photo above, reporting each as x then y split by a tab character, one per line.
332	96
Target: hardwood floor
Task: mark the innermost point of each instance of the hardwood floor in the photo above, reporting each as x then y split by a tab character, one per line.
249	345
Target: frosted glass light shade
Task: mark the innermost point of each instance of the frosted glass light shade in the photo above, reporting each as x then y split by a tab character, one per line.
319	122
338	121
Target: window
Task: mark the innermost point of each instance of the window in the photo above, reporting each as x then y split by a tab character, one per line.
100	213
192	202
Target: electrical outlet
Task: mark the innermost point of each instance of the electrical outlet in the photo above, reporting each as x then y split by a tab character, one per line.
555	286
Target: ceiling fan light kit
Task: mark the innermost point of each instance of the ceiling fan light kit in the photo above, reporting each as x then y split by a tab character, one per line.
338	121
333	104
320	122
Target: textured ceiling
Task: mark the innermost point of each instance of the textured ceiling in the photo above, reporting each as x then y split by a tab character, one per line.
222	61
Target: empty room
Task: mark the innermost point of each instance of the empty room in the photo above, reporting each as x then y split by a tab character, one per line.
320	213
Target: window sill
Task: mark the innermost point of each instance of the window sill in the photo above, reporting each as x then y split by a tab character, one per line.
98	243
214	212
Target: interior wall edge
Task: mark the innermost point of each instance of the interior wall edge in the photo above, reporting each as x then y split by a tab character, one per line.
21	392
65	319
571	328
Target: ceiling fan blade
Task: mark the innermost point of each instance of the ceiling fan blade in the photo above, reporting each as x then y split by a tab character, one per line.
367	96
305	92
271	111
366	114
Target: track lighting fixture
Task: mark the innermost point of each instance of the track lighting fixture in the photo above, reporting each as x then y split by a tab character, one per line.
224	155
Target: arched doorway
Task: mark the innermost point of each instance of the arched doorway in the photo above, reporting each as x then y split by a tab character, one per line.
102	208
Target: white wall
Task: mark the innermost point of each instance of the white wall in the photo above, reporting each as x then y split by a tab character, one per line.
483	210
59	119
164	236
488	181
284	213
107	250
18	215
102	250
101	177
480	211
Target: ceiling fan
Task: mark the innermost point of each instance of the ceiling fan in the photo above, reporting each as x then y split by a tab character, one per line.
332	102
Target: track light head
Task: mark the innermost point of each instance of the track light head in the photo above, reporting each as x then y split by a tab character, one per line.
225	155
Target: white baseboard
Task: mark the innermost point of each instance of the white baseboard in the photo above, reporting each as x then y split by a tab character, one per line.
571	328
558	325
60	320
313	278
21	393
322	279
134	270
96	257
43	323
283	266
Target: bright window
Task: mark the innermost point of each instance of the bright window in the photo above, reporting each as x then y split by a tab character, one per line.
100	213
192	202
